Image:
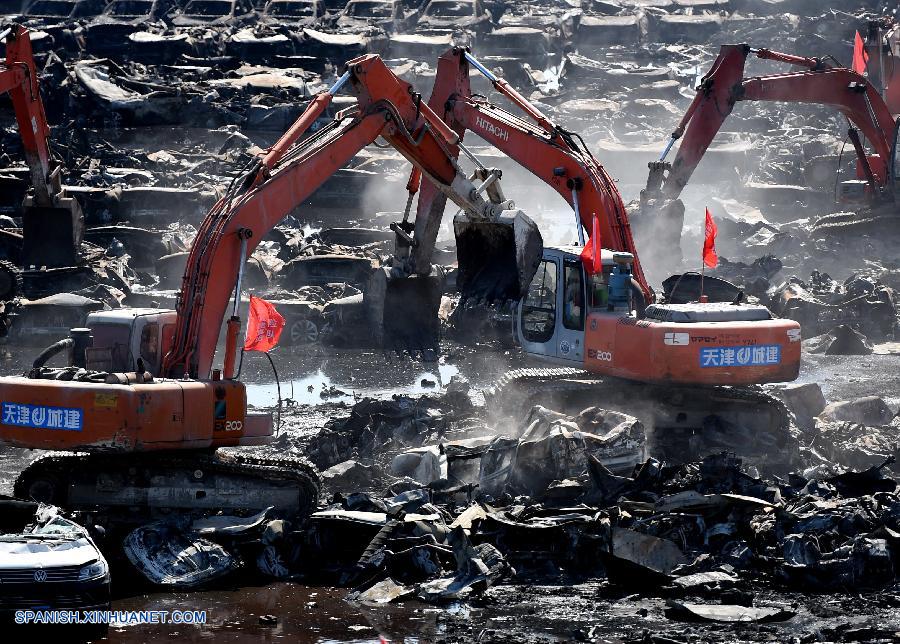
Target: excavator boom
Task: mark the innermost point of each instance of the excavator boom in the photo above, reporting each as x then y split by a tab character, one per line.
554	155
285	177
53	224
594	321
725	85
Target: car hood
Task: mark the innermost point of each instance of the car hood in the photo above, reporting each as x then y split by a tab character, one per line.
47	553
348	21
429	21
191	21
247	35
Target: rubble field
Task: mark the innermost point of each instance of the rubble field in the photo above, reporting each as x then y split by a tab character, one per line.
465	494
799	556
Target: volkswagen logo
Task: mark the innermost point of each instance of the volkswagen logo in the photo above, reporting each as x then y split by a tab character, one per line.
40	575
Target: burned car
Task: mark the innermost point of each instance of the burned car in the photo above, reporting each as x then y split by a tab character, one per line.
519	42
460	15
343	46
133	11
54	19
360	14
48	561
319	270
54	11
212	12
260	43
294	13
108	33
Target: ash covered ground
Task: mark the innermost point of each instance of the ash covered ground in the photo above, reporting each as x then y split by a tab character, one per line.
603	529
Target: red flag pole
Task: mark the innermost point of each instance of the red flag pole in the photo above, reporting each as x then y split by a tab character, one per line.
703	263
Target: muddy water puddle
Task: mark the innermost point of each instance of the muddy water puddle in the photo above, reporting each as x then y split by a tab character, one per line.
318	387
303	613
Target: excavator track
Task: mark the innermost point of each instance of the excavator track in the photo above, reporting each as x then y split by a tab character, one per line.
683	423
185	480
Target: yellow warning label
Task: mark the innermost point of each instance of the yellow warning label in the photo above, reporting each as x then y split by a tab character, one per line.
106	401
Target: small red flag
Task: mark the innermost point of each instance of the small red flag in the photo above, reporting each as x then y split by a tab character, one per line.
591	253
860	55
709	243
264	326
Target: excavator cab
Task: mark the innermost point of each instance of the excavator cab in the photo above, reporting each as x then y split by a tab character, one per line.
129	340
599	323
550	319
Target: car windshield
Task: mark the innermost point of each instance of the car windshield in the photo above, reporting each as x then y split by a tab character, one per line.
208	8
58	527
292	9
449	9
130	8
50	8
370	9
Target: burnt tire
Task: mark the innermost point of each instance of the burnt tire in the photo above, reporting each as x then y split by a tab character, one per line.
10	281
302	331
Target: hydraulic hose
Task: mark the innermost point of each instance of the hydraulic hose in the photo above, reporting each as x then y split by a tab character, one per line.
52	350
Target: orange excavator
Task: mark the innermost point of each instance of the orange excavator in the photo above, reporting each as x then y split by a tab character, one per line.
53	225
821	81
141	397
683	363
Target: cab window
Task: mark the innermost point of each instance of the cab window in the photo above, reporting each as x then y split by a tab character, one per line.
150	345
539	307
573	297
111	348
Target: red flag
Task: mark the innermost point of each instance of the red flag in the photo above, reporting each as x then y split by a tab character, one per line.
590	254
860	55
263	326
709	243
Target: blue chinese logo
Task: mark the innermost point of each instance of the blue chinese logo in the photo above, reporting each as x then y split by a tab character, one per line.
42	417
756	356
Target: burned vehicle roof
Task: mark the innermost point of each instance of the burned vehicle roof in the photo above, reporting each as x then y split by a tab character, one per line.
517	42
454	14
50	9
211	12
132	9
107	34
358	14
294	12
343	46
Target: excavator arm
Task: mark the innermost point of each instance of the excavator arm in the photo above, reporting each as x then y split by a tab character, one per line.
819	83
558	157
284	178
53	223
18	76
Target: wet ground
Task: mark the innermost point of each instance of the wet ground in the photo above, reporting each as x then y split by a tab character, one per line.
526	612
510	612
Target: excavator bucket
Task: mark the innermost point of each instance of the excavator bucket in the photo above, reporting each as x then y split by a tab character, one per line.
497	259
52	234
403	311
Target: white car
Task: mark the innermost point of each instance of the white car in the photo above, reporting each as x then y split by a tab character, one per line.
48	562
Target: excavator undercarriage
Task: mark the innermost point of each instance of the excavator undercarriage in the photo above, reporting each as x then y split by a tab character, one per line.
683	424
195	480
